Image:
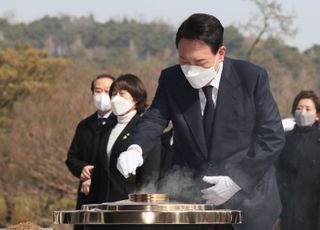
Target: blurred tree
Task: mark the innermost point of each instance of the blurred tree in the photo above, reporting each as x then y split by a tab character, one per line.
23	70
233	40
314	54
289	70
39	133
271	21
82	37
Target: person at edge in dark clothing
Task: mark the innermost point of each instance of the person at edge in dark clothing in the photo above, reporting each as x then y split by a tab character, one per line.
80	157
298	167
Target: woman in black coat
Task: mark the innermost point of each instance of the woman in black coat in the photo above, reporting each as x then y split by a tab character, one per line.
128	102
298	168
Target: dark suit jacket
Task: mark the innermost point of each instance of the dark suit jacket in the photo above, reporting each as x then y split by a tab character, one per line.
247	135
107	183
83	148
166	152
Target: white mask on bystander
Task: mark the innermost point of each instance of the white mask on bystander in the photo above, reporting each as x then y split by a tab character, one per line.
121	105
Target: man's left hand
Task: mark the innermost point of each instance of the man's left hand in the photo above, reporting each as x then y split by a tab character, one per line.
85	187
222	190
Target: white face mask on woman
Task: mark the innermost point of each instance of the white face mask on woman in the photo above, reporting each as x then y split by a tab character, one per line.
304	118
198	76
121	105
102	101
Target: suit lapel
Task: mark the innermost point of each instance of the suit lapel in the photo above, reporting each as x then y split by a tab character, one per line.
192	113
226	101
98	134
94	122
104	137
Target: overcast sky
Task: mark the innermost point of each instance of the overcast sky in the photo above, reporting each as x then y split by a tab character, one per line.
171	11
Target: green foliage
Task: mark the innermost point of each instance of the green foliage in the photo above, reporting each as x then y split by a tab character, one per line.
24	70
64	36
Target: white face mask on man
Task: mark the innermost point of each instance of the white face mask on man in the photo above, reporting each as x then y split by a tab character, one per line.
121	105
198	76
102	101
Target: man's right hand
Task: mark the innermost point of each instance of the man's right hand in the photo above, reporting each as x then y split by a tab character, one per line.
86	172
129	161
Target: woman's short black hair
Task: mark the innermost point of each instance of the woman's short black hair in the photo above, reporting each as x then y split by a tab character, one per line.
134	86
306	94
204	27
104	75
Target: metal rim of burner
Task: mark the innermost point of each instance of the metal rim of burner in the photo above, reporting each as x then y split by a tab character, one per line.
148	197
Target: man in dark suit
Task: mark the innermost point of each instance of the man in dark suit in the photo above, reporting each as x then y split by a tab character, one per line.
85	143
227	128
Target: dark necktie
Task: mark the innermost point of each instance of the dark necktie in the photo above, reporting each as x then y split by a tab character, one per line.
208	114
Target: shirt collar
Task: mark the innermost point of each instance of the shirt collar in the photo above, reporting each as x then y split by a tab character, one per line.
105	116
216	81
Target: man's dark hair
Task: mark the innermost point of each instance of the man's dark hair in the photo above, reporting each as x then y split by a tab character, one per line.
104	75
306	94
204	27
134	86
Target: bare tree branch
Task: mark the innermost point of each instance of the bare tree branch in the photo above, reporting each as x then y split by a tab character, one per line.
271	21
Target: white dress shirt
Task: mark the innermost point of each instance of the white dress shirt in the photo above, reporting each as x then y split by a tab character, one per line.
104	116
215	84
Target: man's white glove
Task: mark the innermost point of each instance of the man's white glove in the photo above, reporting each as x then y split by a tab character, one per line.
129	161
222	190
